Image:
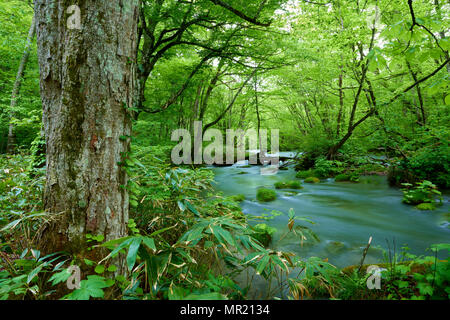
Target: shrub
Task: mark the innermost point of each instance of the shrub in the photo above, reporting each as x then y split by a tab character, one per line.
428	159
424	192
305	174
324	168
266	195
288	185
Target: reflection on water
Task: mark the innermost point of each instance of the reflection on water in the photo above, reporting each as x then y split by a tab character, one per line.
346	215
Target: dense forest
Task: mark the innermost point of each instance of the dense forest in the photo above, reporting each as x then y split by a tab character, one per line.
348	102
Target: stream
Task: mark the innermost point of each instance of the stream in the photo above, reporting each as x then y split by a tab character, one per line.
345	214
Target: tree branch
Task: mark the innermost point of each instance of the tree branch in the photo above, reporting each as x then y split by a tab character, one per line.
239	13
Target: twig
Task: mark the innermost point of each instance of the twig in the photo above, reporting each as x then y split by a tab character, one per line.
364	254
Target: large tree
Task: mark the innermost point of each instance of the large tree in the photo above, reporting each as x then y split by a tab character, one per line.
87	78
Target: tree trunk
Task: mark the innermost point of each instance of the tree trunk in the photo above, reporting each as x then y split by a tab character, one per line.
11	144
87	81
341	102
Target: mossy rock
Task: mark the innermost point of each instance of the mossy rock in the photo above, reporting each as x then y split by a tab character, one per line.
426	206
342	177
305	174
291	193
288	185
264	233
283	168
266	195
238	197
246	166
242	172
312	180
335	247
346	178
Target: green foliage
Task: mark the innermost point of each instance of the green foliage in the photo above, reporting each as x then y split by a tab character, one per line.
185	240
266	195
305	174
26	276
238	198
423	192
428	159
21	211
346	177
325	168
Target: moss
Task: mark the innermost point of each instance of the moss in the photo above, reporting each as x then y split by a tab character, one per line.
288	185
342	177
305	174
312	180
283	168
266	195
242	172
426	206
238	197
264	233
290	193
346	177
82	204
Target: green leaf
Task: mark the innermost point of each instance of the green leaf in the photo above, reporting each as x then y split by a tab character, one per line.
149	242
425	289
132	252
181	206
112	268
88	262
59	277
192	208
100	269
90	288
224	234
34	273
262	264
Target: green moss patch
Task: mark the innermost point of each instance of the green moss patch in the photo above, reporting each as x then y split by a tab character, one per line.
426	206
288	185
305	174
238	197
266	195
264	233
312	180
346	178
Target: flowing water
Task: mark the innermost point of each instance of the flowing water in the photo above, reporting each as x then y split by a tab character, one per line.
345	215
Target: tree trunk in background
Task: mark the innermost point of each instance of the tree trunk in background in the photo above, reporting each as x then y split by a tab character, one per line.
441	33
11	144
87	81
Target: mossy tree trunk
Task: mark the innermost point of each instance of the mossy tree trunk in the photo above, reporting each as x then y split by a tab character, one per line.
87	78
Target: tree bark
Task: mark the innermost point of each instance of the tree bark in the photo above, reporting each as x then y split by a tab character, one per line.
11	144
87	79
